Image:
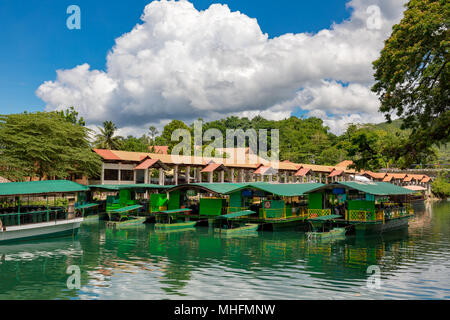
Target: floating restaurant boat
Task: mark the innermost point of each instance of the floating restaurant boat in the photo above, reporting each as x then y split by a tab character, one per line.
275	206
39	209
365	207
230	224
174	219
128	205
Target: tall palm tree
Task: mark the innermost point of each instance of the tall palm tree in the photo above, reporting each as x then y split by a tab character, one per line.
106	138
153	133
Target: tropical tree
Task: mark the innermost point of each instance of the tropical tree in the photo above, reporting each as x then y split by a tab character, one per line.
45	145
134	144
106	138
413	74
153	133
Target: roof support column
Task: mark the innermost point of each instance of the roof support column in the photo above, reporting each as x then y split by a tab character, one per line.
188	174
146	176
320	177
285	177
162	177
222	176
175	174
210	177
232	175
102	178
119	173
198	174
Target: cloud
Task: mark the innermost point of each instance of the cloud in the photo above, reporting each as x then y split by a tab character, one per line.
181	63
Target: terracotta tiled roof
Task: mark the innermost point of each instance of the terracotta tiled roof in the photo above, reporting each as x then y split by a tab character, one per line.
106	154
4	180
146	164
262	170
302	172
375	175
317	168
159	149
336	173
212	167
407	179
344	164
388	178
425	179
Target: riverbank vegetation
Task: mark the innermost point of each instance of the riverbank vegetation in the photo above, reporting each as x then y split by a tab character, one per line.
441	186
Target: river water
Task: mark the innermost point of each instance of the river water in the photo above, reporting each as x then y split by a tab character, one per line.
140	263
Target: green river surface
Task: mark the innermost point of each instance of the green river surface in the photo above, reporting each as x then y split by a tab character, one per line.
140	263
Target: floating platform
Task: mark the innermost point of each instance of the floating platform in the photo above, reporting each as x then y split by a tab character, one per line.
332	234
248	227
175	226
132	221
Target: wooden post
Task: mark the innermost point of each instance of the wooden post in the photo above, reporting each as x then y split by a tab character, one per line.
188	174
175	174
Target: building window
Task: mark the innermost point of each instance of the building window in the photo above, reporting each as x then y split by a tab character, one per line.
111	174
126	175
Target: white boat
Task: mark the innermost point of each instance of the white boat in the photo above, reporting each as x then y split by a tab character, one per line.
40	230
39	209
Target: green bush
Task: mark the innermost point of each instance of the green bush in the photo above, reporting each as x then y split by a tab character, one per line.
441	186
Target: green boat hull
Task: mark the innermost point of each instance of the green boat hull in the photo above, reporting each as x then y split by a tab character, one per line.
332	234
367	229
249	227
127	223
175	226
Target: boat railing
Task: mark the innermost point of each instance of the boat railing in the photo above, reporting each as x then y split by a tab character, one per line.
398	212
364	216
35	216
315	213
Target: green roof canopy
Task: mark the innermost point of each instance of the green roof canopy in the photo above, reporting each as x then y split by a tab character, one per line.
220	188
283	189
236	214
375	188
117	187
40	187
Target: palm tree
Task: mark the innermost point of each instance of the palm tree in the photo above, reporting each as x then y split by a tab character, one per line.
153	133
106	138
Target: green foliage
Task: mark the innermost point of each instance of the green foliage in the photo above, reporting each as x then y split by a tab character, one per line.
441	186
166	136
72	116
135	144
413	74
106	138
44	145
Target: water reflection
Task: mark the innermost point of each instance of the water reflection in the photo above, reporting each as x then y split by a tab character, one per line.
142	263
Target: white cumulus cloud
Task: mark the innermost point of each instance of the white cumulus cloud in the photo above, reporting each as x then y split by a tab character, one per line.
181	63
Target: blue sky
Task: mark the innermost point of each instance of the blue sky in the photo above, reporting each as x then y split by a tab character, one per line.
36	42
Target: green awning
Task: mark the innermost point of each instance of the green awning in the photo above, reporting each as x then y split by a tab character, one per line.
117	187
40	187
176	211
326	218
283	189
375	188
87	206
125	209
219	188
236	214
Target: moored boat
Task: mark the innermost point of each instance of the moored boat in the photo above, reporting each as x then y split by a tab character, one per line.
231	224
39	209
174	219
363	207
